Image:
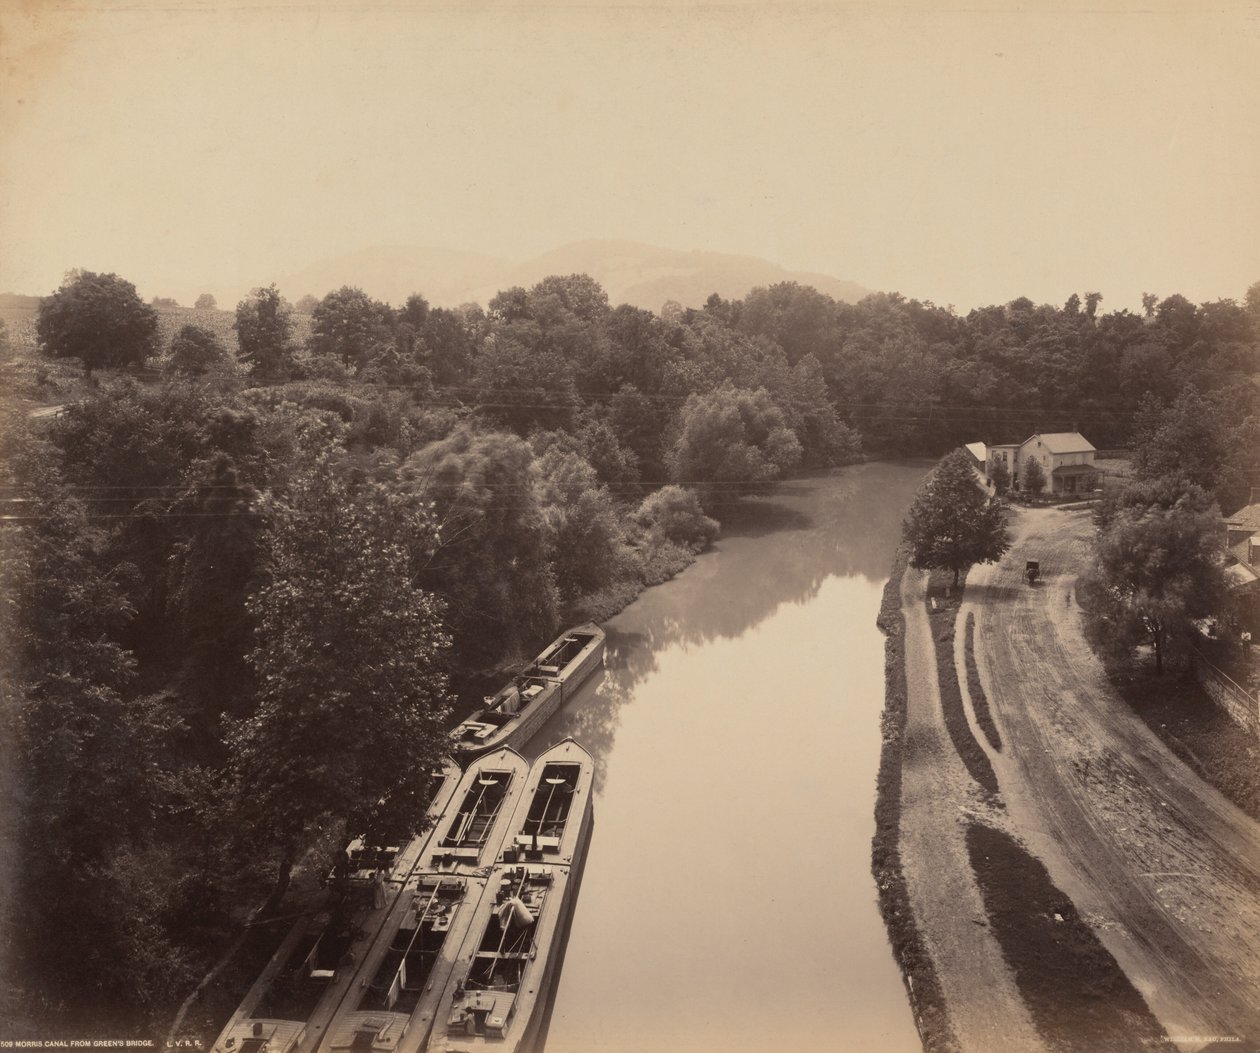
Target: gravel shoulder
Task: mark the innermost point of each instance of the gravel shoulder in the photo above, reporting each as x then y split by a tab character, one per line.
1165	869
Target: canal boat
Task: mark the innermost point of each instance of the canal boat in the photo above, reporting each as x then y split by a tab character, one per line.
496	995
392	1007
519	709
393	1003
470	833
291	1003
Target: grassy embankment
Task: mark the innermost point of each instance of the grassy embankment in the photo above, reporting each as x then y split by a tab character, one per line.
1179	711
927	1001
942	604
979	700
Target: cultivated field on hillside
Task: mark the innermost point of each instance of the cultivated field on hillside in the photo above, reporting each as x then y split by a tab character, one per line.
21	325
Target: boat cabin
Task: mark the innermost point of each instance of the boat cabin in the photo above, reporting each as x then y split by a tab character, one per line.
501	709
265	1036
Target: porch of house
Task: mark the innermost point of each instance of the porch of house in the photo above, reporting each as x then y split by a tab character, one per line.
1074	479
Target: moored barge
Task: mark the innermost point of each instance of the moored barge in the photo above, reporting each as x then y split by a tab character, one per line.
511	716
291	1003
392	1005
496	995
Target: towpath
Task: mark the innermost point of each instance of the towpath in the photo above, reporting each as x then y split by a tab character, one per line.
938	797
1166	870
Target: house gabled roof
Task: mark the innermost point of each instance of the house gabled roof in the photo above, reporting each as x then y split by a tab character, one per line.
1065	442
1246	518
976	449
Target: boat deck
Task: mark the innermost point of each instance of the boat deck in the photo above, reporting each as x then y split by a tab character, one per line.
520	708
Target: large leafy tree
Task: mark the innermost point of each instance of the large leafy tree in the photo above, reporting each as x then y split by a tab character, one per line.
1000	476
1159	568
151	459
264	331
196	350
352	327
800	319
89	939
491	561
446	342
732	441
1033	477
587	545
1183	438
674	514
523	383
952	522
99	319
352	700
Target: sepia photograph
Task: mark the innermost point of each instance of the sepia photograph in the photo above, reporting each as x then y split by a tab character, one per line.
629	526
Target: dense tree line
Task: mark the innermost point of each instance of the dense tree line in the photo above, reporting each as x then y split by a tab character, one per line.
240	599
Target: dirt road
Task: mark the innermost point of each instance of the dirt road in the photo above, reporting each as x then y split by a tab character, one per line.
937	798
1166	870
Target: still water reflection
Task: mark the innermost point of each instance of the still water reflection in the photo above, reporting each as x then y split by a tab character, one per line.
727	902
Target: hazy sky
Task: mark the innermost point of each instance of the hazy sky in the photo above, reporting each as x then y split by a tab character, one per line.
965	156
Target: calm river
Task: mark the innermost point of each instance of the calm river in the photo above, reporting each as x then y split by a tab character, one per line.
727	902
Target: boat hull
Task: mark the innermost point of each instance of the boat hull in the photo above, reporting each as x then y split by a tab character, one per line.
300	1027
531	1001
559	689
535	1033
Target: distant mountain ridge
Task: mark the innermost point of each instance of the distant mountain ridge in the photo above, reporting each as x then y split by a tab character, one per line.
394	272
646	276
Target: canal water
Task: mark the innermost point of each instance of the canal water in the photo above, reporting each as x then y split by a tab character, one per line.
727	902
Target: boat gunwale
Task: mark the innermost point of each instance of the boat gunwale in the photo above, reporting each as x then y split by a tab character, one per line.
521	726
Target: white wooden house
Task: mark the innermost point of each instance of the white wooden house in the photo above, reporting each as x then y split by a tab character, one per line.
1066	458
